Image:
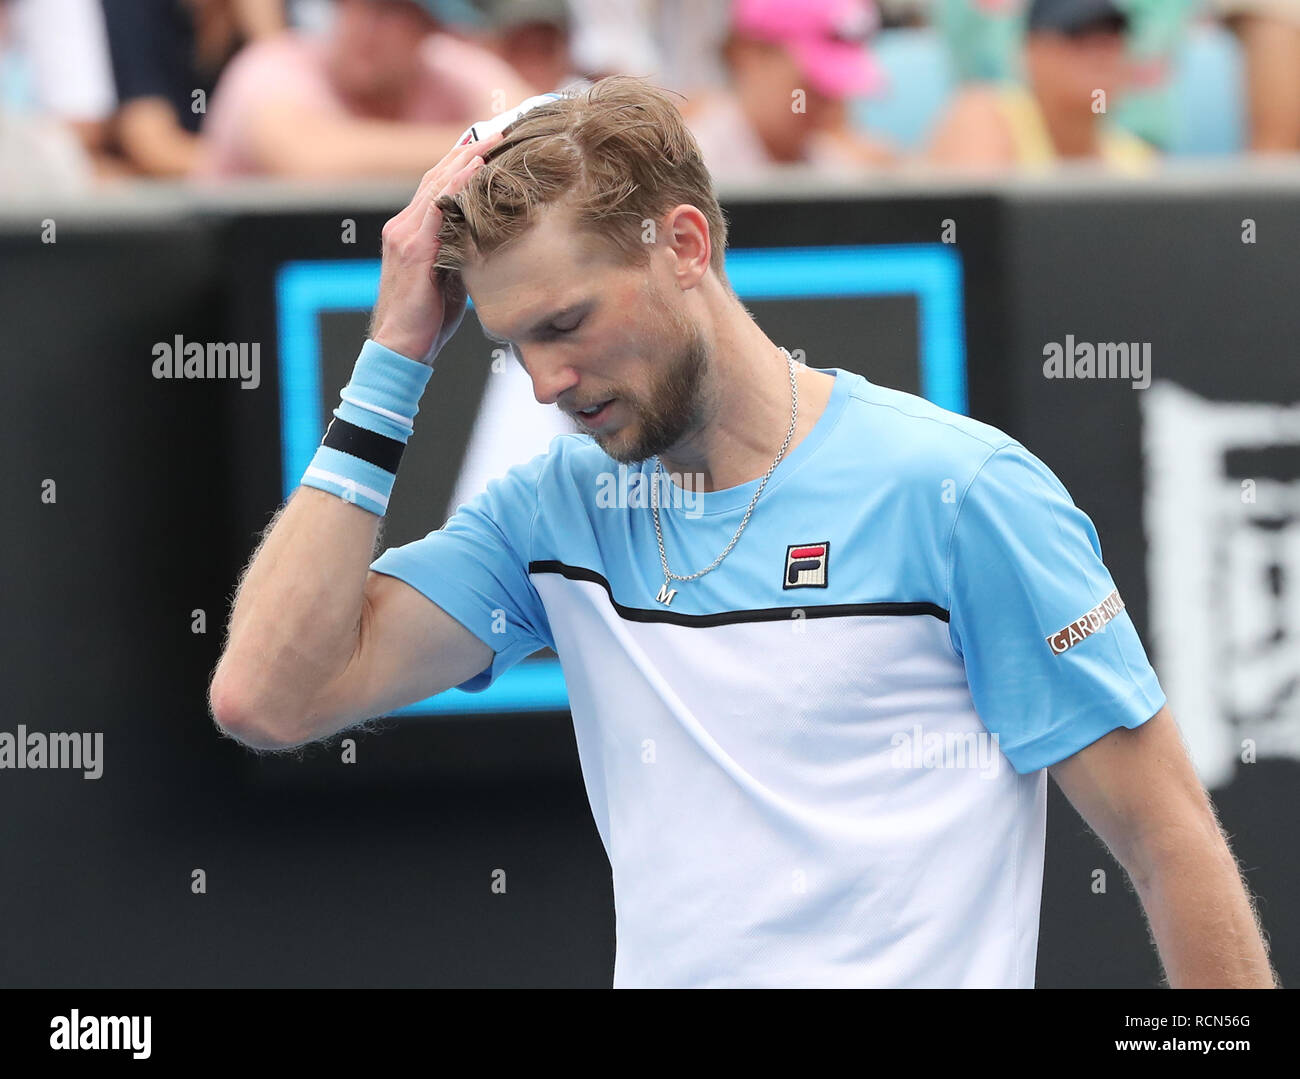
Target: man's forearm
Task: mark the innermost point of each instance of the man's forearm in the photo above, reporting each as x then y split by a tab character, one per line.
296	616
302	611
1202	917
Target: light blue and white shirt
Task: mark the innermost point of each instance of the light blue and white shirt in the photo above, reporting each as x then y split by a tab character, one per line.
823	763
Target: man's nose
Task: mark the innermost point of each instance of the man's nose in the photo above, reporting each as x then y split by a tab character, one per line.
551	374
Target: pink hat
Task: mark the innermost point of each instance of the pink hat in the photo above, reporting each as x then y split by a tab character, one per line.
828	39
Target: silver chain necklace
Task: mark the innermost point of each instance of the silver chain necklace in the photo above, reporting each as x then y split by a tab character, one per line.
666	594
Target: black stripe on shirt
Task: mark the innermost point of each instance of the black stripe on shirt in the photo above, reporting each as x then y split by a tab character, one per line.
728	618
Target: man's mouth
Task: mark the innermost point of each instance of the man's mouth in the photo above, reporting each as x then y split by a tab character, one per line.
594	415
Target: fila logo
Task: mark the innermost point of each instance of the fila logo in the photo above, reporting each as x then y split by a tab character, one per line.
805	565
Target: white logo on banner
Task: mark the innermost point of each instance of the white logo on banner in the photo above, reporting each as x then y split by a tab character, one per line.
1223	568
510	429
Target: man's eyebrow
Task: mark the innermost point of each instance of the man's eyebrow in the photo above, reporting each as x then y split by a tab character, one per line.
540	324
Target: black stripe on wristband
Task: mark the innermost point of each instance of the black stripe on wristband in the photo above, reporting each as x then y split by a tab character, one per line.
377	449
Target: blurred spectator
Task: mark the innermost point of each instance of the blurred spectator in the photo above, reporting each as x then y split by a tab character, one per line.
167	56
1157	34
311	15
690	35
613	37
64	52
904	13
1075	67
1269	32
383	93
983	38
791	66
38	154
985	42
677	43
532	36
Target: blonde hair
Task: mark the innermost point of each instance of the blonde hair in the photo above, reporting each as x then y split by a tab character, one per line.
618	152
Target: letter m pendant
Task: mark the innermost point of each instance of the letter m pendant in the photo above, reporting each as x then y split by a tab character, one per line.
666	594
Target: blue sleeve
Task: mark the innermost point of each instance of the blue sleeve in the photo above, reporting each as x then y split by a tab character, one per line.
476	569
1052	659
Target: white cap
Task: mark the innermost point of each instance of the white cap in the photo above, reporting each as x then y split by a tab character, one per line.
480	131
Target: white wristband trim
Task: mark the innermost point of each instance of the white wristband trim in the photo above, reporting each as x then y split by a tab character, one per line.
352	400
348	485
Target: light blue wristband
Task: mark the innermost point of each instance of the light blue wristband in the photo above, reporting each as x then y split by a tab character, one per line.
382	397
384	393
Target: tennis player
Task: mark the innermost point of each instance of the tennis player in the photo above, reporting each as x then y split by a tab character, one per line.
816	703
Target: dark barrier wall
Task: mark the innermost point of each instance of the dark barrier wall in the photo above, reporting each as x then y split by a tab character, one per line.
1194	486
319	872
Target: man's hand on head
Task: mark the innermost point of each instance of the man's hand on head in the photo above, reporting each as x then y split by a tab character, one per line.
418	308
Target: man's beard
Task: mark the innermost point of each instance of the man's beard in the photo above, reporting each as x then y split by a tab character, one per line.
673	407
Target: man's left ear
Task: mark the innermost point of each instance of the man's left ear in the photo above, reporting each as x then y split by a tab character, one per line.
687	235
